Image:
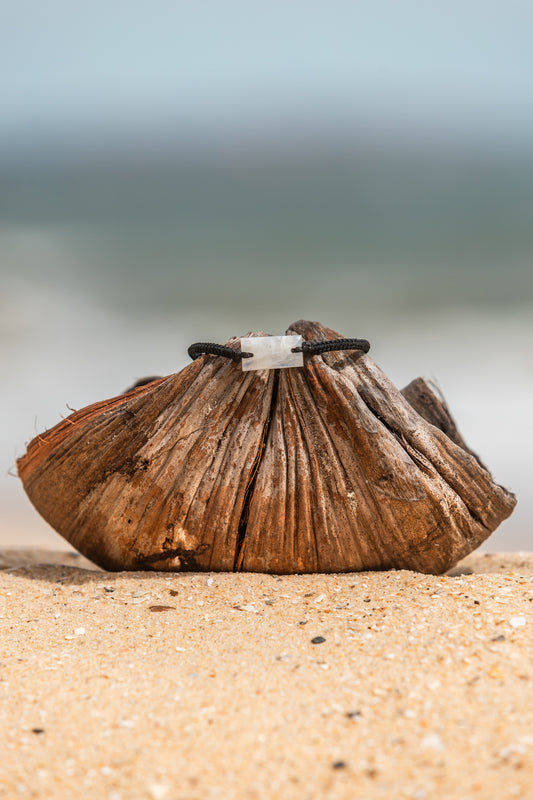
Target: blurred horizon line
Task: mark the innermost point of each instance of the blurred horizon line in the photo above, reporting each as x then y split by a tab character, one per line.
294	140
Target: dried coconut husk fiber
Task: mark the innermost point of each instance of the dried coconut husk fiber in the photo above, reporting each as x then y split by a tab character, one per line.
324	468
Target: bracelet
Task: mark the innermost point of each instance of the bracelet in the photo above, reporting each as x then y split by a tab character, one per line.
274	352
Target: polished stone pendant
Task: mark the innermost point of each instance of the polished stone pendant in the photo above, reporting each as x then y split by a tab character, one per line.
271	352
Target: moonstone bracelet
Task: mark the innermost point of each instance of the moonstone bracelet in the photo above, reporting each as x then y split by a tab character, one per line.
275	352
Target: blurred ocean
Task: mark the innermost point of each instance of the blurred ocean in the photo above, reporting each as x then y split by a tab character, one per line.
110	267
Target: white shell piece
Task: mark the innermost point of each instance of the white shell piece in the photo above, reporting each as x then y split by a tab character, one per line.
271	352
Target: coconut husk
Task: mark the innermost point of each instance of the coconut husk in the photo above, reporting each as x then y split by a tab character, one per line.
324	468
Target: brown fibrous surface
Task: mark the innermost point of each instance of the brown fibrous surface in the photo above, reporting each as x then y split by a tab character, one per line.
326	468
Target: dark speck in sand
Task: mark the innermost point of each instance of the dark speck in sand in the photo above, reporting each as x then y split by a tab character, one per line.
339	765
318	640
353	714
37	730
162	608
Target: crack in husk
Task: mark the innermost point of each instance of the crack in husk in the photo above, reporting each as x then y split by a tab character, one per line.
243	520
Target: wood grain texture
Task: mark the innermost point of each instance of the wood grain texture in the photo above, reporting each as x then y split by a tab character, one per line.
327	468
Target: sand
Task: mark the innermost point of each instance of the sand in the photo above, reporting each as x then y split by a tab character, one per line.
184	687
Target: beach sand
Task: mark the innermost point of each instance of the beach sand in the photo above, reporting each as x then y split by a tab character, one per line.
191	686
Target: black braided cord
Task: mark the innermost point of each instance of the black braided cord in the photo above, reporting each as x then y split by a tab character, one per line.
316	348
311	348
203	348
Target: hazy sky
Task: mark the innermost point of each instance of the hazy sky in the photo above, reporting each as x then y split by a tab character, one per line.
78	68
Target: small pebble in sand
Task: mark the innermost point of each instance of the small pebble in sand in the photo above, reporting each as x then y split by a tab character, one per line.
77	632
157	791
432	742
339	765
317	640
161	608
353	714
517	622
248	607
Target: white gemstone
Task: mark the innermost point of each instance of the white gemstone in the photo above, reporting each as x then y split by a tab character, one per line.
271	352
